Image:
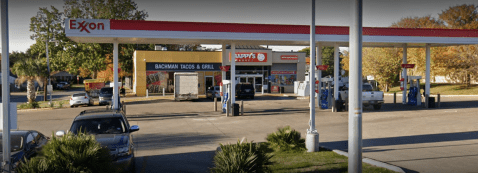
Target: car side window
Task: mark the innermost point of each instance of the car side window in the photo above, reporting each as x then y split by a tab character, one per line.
38	138
30	139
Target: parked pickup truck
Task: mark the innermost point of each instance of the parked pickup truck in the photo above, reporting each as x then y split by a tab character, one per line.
369	96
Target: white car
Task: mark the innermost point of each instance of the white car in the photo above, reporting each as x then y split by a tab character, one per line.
80	99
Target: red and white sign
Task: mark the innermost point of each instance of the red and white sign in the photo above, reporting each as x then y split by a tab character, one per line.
322	67
250	57
289	57
86	26
275	88
408	65
283	72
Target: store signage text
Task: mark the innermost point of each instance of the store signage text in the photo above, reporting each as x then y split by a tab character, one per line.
250	57
289	57
86	26
183	66
283	72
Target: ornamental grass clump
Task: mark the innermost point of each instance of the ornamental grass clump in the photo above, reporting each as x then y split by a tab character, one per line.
242	157
70	153
286	139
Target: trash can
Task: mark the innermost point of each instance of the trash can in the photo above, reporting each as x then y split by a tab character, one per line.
431	102
236	109
340	105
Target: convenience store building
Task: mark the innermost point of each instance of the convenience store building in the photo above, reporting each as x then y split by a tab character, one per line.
268	71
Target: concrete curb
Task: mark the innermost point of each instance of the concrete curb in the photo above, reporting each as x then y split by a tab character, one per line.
434	95
374	162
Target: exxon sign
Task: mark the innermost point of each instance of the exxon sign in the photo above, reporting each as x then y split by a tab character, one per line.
87	26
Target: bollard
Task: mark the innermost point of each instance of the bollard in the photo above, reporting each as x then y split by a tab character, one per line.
426	100
347	104
164	91
215	104
334	108
438	100
228	108
394	98
242	107
147	93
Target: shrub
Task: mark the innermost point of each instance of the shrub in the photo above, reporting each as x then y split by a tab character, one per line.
52	104
242	157
70	153
31	105
286	139
60	104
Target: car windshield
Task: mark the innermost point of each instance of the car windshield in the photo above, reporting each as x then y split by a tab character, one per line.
79	95
367	88
106	91
16	143
99	126
247	87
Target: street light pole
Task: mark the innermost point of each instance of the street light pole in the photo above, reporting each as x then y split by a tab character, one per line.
48	67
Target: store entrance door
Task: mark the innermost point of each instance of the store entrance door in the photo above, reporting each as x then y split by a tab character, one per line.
254	79
209	82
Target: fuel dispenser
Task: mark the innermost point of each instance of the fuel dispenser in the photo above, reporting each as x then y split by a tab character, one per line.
414	96
226	89
326	96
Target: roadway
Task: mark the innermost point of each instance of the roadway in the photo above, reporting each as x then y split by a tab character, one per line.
182	136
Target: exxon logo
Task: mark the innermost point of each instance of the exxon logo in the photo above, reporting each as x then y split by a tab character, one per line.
86	26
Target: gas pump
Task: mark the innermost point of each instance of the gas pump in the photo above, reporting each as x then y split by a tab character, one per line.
326	96
226	89
414	96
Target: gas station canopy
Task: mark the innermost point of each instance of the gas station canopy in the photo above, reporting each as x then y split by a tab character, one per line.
169	32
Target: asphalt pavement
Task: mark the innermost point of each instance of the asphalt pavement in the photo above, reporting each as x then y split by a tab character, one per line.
183	136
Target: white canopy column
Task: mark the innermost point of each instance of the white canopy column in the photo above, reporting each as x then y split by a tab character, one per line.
427	77
115	76
319	72
223	73
233	74
404	75
336	75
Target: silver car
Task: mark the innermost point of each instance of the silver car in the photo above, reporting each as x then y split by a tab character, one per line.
212	92
80	99
112	130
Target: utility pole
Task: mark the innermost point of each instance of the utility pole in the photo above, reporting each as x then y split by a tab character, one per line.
312	138
5	89
355	89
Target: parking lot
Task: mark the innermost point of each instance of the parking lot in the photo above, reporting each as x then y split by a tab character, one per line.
182	136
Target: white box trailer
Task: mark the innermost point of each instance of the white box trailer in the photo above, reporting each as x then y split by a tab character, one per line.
185	86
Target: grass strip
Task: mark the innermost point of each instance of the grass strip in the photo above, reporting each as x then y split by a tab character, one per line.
323	161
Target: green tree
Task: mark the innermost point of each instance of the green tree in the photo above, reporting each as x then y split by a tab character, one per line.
30	70
92	56
46	25
383	64
460	61
327	59
461	17
419	22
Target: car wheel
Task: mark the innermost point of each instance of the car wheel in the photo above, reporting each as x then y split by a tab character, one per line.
377	106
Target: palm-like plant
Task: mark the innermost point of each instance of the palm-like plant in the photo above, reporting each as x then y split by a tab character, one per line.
286	139
242	157
70	153
30	70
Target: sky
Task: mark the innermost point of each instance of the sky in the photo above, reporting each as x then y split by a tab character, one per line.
376	13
